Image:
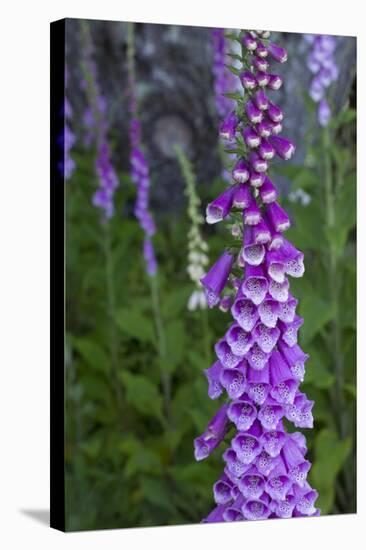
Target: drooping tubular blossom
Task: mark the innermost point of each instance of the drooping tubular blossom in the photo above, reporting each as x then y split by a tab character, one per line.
197	247
107	177
139	164
259	364
322	64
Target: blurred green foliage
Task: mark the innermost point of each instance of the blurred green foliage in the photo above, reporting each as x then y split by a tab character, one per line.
133	406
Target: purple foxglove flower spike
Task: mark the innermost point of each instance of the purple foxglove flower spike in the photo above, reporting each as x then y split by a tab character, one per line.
108	181
139	166
322	64
260	364
223	79
67	140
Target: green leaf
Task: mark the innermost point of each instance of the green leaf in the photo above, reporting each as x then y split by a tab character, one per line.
92	353
156	492
345	117
304	179
174	344
175	301
316	313
234	95
345	215
307	231
235	56
316	373
233	70
232	36
142	394
351	390
136	324
141	458
330	455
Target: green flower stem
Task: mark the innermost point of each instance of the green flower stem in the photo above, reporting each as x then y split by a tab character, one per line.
111	305
338	398
161	344
334	285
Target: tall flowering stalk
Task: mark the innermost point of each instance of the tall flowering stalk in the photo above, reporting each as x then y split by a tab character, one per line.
103	197
197	246
141	178
139	165
224	82
322	64
259	364
67	165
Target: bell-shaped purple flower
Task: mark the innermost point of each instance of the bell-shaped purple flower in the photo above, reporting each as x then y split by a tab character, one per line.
242	413
240	171
278	217
218	209
215	280
248	80
257	387
245	313
284	147
277	52
228	126
213	435
234	380
213	375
